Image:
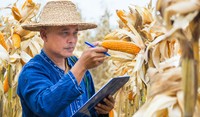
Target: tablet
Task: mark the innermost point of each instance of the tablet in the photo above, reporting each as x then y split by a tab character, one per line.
109	88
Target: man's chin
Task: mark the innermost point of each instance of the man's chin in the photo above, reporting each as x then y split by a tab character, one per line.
68	55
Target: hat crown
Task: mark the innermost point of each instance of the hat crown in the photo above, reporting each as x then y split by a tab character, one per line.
60	11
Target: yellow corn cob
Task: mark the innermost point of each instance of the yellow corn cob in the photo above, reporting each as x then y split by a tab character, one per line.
7	80
111	113
15	12
120	14
16	40
27	3
2	41
5	85
122	46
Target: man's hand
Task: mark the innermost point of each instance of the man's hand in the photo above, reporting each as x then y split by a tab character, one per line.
107	107
92	57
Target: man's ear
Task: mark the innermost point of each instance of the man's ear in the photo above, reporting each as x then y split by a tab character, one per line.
43	34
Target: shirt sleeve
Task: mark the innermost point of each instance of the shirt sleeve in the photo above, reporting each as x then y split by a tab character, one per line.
42	96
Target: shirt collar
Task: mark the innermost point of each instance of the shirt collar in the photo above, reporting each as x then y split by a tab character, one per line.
44	55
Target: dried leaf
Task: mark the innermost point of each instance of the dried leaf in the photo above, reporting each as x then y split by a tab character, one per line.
25	57
175	111
29	10
134	38
1	90
4	55
36	45
14	57
139	61
164	50
181	7
19	30
156	56
170	63
159	102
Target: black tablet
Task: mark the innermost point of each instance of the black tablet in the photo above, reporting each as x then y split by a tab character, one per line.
109	88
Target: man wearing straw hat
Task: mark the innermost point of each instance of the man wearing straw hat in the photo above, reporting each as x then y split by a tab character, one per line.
55	83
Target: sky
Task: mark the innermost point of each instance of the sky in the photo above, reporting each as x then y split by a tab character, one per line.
91	10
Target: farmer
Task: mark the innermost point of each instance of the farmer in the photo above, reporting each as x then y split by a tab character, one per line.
55	83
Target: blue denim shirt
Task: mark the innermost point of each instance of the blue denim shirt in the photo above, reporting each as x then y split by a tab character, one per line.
45	90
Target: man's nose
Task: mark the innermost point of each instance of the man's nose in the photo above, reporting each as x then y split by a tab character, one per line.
71	39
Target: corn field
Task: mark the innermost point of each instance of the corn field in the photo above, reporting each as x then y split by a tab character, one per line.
158	47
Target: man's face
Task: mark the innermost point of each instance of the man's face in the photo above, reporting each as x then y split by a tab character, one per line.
60	41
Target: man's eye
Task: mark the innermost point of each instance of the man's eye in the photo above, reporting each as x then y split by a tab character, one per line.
75	33
64	33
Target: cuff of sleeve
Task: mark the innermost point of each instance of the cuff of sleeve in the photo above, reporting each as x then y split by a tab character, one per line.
73	78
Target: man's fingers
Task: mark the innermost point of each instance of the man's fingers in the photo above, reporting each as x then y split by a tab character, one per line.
109	102
100	49
101	109
107	107
111	99
96	43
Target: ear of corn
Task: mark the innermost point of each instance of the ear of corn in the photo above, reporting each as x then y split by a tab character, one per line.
122	46
5	85
16	40
111	113
6	82
120	14
16	13
2	41
27	2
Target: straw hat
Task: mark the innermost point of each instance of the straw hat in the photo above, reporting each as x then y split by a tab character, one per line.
59	13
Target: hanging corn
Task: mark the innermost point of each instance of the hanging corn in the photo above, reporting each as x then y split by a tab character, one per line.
2	41
16	13
16	39
122	46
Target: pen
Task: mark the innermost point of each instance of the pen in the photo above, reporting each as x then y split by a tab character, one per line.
91	45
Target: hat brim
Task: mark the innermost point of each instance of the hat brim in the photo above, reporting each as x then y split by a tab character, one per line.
38	26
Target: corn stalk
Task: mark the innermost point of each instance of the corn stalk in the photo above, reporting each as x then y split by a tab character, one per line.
189	70
190	67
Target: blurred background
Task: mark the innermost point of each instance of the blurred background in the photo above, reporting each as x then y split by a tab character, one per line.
91	10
